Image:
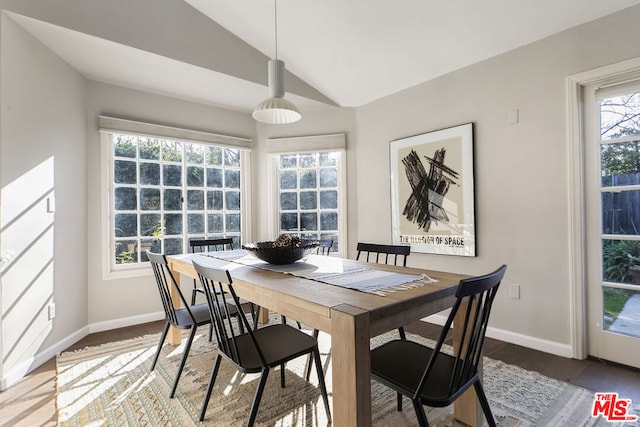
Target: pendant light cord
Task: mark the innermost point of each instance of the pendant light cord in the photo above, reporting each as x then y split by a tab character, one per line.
275	13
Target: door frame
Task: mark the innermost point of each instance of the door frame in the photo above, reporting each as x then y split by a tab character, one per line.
577	230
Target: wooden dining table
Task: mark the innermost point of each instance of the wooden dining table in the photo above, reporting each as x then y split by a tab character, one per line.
350	316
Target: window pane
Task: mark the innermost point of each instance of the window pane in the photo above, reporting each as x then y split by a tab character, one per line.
125	252
151	245
620	116
149	174
214	177
288	201
233	222
125	146
214	200
173	246
620	311
328	177
173	200
232	200
621	213
328	200
288	180
195	200
149	199
328	220
288	221
329	159
126	225
173	224
288	161
620	163
307	160
194	153
232	178
214	156
215	223
232	157
172	175
124	172
150	224
195	223
125	199
308	200
618	259
149	148
308	221
308	179
195	176
171	151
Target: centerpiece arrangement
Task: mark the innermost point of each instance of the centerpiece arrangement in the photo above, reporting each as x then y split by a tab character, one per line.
285	249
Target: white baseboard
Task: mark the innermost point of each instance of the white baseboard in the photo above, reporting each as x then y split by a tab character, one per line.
107	325
552	347
17	373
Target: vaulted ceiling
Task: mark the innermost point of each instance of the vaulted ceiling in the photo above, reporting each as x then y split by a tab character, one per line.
337	52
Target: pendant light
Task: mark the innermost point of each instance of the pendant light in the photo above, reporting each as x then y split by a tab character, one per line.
276	109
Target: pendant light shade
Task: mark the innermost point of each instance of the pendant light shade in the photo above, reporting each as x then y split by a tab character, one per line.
276	109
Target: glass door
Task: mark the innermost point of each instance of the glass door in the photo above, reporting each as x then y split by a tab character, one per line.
612	210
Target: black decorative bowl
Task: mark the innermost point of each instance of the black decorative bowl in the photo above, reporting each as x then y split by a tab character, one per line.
266	251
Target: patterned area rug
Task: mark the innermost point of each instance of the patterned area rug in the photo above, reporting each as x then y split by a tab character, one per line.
111	385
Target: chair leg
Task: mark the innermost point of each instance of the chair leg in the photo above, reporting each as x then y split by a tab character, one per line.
187	347
282	381
403	336
307	366
484	403
399	399
254	315
256	400
321	383
162	338
194	292
212	380
422	417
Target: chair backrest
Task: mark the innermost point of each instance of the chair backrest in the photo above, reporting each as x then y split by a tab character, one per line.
324	247
386	254
218	287
475	297
208	245
164	279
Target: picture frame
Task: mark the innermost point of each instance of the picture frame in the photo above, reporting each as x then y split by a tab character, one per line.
432	191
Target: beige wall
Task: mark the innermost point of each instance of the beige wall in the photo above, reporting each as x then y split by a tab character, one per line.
521	170
42	156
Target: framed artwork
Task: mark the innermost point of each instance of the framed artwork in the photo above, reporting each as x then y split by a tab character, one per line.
432	191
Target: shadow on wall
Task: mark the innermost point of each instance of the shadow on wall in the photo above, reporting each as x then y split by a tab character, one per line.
27	207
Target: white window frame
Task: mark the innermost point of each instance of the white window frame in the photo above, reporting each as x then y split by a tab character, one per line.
109	126
308	144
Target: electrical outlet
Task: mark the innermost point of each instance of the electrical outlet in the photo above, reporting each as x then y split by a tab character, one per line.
52	310
514	291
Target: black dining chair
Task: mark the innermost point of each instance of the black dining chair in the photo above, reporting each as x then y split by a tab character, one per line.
324	247
207	245
431	377
384	254
252	351
187	317
215	245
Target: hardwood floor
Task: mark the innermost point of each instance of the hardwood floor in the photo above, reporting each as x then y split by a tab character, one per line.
31	402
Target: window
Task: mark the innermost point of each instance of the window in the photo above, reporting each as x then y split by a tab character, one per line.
163	192
309	191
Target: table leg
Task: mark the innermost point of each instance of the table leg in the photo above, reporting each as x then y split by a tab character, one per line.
174	335
466	408
351	366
